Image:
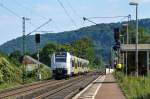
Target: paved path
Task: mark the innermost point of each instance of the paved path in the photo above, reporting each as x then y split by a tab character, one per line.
109	89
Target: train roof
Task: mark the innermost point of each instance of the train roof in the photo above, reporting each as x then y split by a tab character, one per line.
80	59
75	57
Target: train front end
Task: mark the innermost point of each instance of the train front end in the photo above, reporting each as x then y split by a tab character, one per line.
59	65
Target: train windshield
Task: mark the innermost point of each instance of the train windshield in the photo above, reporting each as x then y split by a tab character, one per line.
60	57
60	60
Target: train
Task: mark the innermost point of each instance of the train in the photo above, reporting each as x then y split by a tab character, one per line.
64	65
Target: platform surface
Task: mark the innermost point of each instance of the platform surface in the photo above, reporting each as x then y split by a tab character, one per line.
109	89
104	87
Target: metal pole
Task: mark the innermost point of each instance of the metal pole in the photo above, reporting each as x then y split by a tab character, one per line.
38	56
127	43
23	45
128	30
110	60
127	51
147	63
23	28
126	62
123	52
136	45
137	40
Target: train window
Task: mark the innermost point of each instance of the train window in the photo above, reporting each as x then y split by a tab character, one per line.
72	63
78	64
60	59
61	54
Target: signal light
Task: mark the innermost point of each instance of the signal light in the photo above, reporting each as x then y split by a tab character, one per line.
116	34
37	38
116	46
118	43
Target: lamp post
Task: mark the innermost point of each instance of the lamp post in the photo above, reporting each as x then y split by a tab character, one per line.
136	4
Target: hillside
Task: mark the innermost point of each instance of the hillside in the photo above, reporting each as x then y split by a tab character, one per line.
102	36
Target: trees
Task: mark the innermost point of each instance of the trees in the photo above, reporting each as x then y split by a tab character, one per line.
47	51
16	55
82	48
143	35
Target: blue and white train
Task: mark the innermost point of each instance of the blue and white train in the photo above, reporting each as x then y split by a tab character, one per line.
64	65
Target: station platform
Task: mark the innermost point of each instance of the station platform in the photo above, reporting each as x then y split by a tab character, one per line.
104	87
109	89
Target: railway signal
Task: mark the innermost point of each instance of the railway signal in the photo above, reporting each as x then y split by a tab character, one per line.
117	39
37	40
116	34
116	47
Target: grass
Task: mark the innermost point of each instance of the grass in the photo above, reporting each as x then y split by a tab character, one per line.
29	80
133	87
8	85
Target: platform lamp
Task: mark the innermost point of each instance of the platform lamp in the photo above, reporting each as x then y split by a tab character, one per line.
136	5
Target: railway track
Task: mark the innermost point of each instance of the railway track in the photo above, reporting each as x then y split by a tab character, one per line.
50	89
69	90
25	88
73	88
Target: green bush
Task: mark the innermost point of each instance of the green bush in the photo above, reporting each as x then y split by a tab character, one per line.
46	72
9	72
12	74
134	87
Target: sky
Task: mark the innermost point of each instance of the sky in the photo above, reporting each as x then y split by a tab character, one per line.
40	11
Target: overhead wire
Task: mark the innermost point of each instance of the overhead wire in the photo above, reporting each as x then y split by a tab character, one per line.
73	10
88	19
17	15
25	7
122	19
12	12
56	26
75	13
9	10
107	17
39	27
66	12
41	16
